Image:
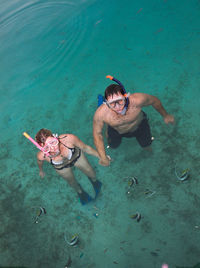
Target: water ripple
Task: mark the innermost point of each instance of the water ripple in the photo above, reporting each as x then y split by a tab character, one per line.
39	38
9	16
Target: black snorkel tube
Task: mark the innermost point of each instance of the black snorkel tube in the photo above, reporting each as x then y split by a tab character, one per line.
121	85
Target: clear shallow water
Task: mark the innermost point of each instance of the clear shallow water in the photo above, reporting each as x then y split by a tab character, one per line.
54	58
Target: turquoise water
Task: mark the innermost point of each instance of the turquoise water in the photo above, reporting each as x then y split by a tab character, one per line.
54	59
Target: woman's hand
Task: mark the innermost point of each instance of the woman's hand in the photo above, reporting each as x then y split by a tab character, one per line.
42	174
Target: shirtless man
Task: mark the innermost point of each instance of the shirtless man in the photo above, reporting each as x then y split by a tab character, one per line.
123	115
64	152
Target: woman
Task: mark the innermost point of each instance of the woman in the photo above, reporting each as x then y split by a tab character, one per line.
63	152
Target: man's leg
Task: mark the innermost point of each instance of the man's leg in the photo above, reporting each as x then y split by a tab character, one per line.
143	135
113	137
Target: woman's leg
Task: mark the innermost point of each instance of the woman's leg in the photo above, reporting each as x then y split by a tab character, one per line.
83	164
68	175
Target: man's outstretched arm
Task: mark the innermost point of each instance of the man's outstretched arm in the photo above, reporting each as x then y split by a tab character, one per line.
147	100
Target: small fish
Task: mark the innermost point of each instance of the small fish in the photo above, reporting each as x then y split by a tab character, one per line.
124	241
159	30
69	262
115	262
139	217
81	255
184	174
74	240
139	10
98	22
132	181
105	250
155	254
39	213
136	216
43	210
149	193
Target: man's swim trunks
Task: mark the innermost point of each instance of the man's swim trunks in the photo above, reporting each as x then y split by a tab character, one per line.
142	134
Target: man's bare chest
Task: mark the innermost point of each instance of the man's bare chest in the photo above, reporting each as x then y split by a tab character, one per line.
116	120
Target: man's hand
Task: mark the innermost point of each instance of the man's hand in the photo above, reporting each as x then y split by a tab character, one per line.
169	119
105	161
42	174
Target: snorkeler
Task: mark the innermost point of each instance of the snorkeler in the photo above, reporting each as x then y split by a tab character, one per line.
64	152
122	113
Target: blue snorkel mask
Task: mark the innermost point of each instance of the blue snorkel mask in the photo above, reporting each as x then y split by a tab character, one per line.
101	99
125	94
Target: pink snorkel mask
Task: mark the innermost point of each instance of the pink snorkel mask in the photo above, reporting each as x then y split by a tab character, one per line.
36	144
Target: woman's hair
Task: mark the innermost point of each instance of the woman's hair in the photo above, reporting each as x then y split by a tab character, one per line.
42	135
113	89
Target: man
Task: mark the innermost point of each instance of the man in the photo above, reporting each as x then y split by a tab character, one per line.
123	115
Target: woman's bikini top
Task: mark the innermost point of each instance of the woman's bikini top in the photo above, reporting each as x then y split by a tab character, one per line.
70	154
69	161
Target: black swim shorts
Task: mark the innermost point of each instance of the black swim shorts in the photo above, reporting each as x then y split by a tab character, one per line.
142	134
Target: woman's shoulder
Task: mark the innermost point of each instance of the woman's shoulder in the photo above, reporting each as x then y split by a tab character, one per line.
62	136
68	138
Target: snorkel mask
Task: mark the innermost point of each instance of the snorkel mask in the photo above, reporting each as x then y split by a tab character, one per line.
36	144
119	100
